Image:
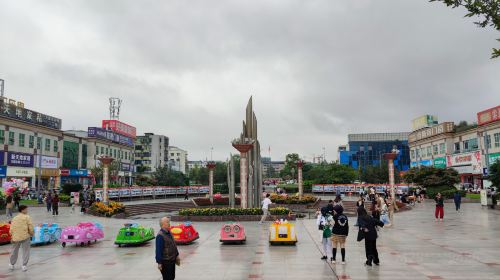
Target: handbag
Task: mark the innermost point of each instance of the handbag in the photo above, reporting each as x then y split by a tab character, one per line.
361	235
327	232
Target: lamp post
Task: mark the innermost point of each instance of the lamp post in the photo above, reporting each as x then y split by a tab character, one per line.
211	167
105	161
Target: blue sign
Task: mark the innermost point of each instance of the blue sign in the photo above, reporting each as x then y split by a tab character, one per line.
3	171
413	164
102	133
426	162
78	172
20	159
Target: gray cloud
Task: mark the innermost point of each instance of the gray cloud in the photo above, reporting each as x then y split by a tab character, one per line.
317	69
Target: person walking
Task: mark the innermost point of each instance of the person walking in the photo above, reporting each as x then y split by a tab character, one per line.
392	206
17	200
21	231
338	201
384	214
55	205
9	204
325	222
167	255
186	194
439	213
368	229
340	231
265	208
457	198
48	201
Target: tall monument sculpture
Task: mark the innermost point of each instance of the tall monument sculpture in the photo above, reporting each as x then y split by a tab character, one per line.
105	161
211	167
390	157
250	160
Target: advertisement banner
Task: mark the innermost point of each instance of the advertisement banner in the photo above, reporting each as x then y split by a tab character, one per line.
466	163
125	166
440	162
74	172
20	172
488	116
119	127
3	171
19	159
19	113
76	197
441	128
47	162
492	158
353	188
109	135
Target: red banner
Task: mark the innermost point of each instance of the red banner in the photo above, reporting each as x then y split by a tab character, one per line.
488	116
119	127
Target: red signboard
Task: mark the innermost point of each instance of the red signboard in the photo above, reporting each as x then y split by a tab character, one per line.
488	116
119	127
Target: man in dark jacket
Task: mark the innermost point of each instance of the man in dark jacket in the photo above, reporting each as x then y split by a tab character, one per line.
167	255
457	198
368	225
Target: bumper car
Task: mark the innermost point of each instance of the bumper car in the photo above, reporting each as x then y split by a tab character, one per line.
4	233
184	233
45	234
232	233
282	232
134	234
82	233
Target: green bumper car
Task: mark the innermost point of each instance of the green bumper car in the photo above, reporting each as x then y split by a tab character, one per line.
134	234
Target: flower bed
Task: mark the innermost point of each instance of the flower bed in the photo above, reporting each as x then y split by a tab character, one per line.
292	199
102	209
203	201
231	214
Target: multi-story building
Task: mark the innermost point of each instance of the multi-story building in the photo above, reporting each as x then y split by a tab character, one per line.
196	164
177	159
151	152
368	149
270	168
30	145
469	151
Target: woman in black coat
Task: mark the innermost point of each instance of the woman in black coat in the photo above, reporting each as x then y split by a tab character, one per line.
368	226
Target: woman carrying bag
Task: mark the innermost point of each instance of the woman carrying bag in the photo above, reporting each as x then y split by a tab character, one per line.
325	222
368	232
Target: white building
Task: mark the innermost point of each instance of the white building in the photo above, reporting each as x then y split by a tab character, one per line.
151	152
177	159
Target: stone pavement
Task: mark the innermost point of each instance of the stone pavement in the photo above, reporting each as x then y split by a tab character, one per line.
464	246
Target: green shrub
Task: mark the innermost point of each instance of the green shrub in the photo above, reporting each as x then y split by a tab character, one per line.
473	195
432	192
68	188
451	193
230	211
292	199
64	198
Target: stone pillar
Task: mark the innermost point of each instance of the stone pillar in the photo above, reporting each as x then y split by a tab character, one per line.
106	161
299	178
211	166
390	158
243	148
231	182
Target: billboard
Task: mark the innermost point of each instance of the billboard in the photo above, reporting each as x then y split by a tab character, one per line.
47	162
17	112
440	162
119	127
488	116
466	163
102	133
441	128
19	159
424	121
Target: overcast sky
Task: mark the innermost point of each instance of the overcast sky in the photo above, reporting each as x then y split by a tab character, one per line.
317	70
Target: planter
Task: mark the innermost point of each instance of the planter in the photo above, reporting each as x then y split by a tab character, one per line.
233	218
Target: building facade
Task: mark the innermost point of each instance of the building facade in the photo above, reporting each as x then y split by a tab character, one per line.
177	159
151	152
368	149
30	145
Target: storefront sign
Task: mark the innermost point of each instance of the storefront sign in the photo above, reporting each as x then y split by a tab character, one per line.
2	153
109	135
488	116
441	128
125	166
440	162
492	158
3	171
19	159
425	162
48	172
20	172
119	127
47	162
16	112
78	172
466	162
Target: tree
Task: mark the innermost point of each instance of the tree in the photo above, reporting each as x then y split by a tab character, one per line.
164	176
329	173
487	10
494	174
290	168
97	172
429	177
378	174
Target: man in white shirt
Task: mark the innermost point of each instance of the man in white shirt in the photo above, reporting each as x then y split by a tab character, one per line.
265	208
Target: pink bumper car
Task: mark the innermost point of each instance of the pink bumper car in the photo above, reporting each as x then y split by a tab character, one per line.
82	233
233	233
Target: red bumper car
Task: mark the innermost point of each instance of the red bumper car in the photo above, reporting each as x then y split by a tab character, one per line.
232	233
184	233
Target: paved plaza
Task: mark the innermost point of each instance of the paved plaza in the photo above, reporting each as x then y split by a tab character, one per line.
464	246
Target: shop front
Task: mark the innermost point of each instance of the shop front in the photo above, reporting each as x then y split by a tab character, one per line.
20	166
440	162
468	166
49	171
76	176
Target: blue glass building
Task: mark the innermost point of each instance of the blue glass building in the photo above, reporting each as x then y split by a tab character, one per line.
368	149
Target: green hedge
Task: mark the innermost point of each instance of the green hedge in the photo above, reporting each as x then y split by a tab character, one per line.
64	198
68	188
451	193
292	199
473	195
294	188
230	211
432	192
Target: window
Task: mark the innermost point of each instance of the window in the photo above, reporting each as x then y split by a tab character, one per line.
47	145
473	144
487	140
435	149
2	136
32	142
442	148
56	146
22	139
11	138
412	154
107	151
418	152
172	154
429	151
457	147
497	140
114	153
39	143
102	150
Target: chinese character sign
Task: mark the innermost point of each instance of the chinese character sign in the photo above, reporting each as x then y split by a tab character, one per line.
19	159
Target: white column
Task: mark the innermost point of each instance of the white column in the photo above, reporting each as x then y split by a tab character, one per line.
301	187
105	180
391	178
211	185
243	180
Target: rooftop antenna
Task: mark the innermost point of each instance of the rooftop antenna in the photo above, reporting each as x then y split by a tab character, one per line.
114	108
2	85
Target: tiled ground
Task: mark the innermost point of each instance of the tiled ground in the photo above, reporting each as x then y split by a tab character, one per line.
465	246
